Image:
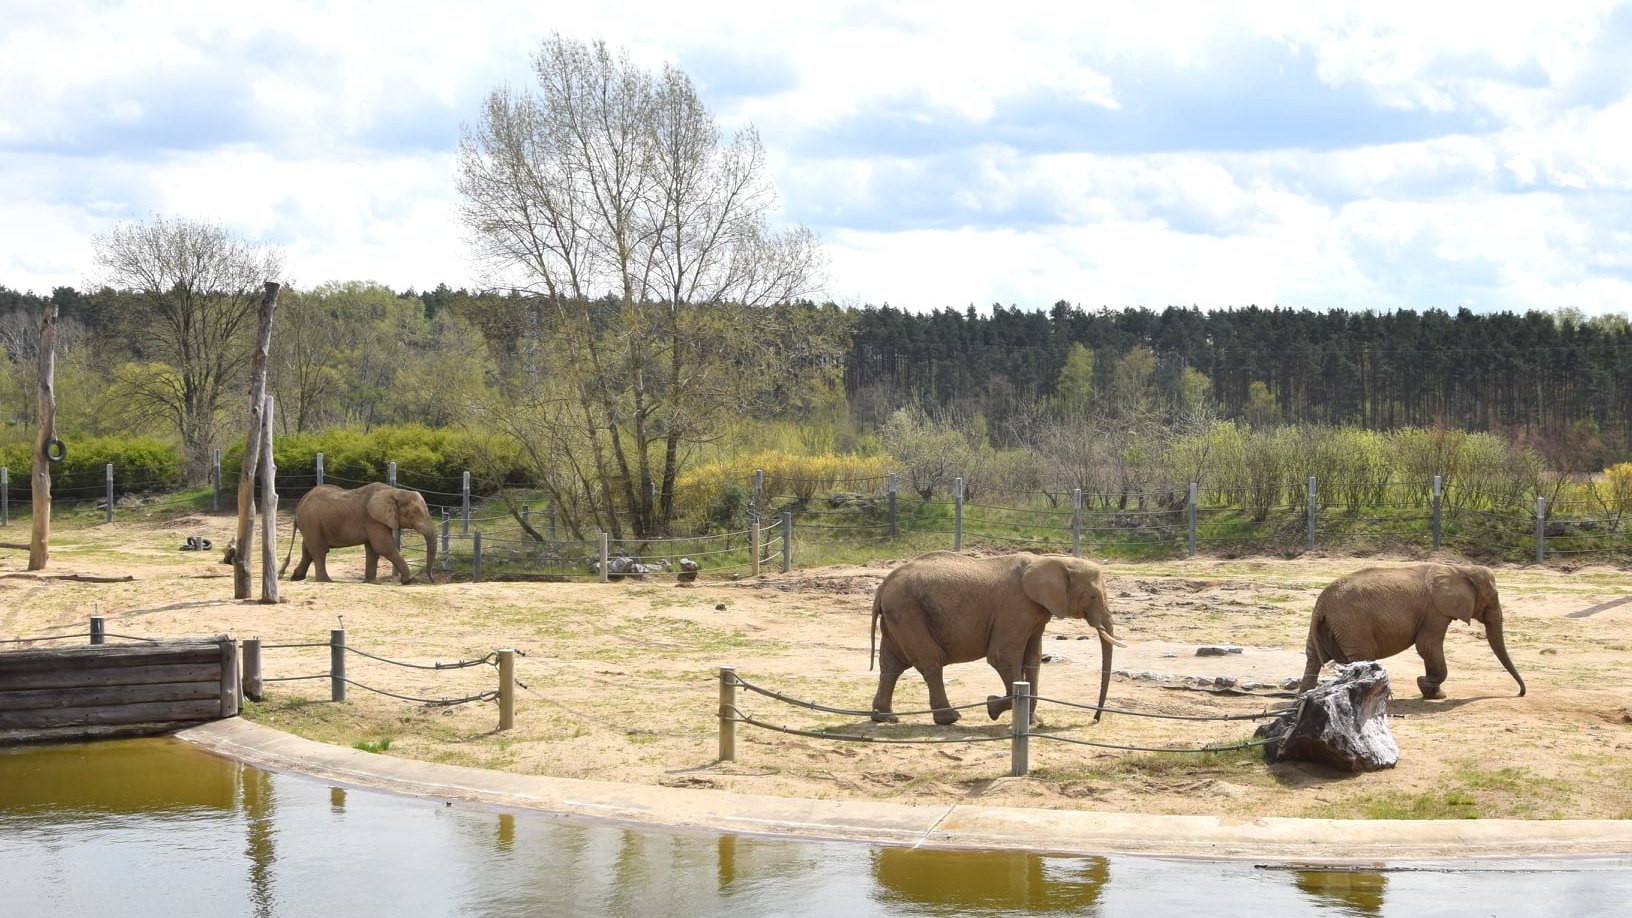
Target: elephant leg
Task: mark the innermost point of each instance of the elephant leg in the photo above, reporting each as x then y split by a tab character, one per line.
1311	672
305	562
319	562
371	563
1433	659
890	667
1012	665
944	715
385	545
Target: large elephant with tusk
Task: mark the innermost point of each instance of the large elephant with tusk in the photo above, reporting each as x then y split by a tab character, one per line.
943	608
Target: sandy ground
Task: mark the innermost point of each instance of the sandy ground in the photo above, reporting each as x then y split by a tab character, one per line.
620	681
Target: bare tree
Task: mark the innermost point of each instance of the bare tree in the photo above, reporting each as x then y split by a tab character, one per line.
193	293
609	193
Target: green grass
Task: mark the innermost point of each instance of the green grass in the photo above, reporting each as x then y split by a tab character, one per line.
380	745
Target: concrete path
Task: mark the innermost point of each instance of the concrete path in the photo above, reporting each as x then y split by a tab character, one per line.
1269	840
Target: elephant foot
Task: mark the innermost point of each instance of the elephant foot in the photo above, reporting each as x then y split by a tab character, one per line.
1429	689
885	717
946	717
997	704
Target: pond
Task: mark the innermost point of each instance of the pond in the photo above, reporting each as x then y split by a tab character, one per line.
158	828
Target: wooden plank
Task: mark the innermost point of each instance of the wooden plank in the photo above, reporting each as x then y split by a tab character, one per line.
100	696
77	733
134	675
228	691
105	656
208	709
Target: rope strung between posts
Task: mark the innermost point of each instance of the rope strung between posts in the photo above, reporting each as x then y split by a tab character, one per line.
1275	712
1082	742
628	731
851	712
742	718
490	695
492	659
83	634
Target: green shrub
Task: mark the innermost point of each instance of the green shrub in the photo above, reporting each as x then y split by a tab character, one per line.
140	464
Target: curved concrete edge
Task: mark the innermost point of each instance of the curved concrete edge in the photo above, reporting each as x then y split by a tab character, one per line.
1271	840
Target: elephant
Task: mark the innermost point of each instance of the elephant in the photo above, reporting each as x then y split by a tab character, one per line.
944	607
1379	611
330	517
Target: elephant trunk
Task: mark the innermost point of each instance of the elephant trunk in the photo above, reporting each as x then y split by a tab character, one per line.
1107	646
1498	644
428	530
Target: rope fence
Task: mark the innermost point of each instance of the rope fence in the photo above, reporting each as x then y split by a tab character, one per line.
1024	704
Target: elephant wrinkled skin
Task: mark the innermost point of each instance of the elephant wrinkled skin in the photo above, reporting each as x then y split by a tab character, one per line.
1379	611
330	517
943	608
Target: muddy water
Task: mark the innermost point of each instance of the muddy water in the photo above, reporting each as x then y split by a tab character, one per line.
157	828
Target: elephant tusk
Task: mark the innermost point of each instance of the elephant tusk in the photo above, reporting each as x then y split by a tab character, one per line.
1106	637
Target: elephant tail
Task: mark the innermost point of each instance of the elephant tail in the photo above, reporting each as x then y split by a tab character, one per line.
872	634
291	551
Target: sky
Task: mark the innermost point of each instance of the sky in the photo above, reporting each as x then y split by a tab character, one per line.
1372	155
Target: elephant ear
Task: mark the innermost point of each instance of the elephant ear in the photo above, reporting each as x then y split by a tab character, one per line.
1047	584
382	506
1452	590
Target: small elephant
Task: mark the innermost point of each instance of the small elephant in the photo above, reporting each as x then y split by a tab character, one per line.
1379	611
330	517
944	607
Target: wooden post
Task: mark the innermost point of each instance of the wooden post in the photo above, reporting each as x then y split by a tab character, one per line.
319	468
787	541
957	514
229	677
464	524
269	510
728	713
39	547
1191	512
753	545
507	689
252	447
606	559
1309	542
889	495
1020	743
110	492
5	496
476	557
337	664
215	478
1439	485
1076	522
99	630
252	669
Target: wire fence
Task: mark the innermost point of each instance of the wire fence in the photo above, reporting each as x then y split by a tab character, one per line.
490	530
1023	704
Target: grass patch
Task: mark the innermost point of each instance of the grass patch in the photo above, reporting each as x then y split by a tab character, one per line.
380	745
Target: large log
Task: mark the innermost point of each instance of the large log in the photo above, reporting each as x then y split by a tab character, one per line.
209	709
104	695
1343	723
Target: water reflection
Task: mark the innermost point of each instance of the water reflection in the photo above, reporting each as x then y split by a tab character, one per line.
1349	892
123	827
917	881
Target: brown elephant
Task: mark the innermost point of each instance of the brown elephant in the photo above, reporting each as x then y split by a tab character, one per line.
944	607
330	517
1379	611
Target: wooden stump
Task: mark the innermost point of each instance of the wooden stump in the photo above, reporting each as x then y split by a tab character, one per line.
1343	723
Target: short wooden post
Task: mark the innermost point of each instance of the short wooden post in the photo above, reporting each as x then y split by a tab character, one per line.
252	669
1020	746
319	468
215	479
606	558
464	513
5	496
1192	521
957	514
476	557
1541	530
109	491
1438	493
728	713
1076	522
229	677
1309	541
787	541
99	630
337	664
889	500
507	689
753	546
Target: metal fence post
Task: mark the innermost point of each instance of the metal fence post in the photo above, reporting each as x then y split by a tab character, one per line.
445	527
889	495
5	496
476	557
391	473
606	558
552	521
754	548
465	499
99	630
1020	745
728	713
1076	522
957	514
787	541
1438	491
1541	530
252	669
1309	543
1191	512
337	664
215	479
319	468
507	689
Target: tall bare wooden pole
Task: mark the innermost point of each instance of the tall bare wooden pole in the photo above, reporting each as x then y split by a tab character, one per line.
39	548
252	448
269	510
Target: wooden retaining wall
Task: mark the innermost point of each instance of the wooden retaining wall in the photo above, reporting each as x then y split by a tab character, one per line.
115	690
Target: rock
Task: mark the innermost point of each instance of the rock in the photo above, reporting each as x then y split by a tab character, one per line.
720	607
1343	723
1170	655
1224	681
1217	650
